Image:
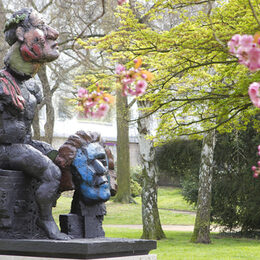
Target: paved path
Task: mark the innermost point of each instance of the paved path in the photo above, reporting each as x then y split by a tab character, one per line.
165	227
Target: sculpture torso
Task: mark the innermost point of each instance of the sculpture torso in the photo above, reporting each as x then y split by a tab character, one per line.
16	109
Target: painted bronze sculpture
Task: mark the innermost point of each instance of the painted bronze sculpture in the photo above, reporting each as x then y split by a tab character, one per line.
32	174
83	160
32	43
88	167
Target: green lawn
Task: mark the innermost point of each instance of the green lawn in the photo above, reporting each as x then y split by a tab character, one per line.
178	247
130	214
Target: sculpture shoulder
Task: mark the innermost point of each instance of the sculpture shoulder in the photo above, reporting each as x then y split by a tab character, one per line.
35	90
10	93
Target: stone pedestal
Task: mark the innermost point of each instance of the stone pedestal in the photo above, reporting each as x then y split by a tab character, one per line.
78	248
18	209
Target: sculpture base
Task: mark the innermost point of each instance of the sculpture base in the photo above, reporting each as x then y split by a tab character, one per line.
137	257
18	209
77	248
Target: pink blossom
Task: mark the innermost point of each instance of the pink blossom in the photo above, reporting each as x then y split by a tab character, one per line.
258	147
246	41
253	92
144	76
89	103
127	80
120	2
141	84
106	99
244	48
119	69
255	175
82	92
101	110
249	57
254	58
140	87
234	43
103	107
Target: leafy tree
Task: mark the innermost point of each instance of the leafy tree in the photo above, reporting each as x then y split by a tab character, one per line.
198	86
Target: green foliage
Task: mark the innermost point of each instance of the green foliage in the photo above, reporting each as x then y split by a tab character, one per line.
198	85
136	181
235	193
179	158
135	188
136	174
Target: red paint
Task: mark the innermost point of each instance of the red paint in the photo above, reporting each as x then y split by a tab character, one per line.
11	87
37	50
4	87
27	54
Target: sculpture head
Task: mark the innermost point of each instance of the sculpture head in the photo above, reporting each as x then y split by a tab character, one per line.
90	168
37	39
91	165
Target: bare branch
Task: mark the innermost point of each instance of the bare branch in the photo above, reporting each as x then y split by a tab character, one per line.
33	5
221	123
46	6
92	22
211	25
253	11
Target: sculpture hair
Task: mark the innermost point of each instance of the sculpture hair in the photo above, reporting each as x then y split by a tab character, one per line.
19	18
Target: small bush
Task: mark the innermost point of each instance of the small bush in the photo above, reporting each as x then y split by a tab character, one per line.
135	188
235	193
136	181
136	174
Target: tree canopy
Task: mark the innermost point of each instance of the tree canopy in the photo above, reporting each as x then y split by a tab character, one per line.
198	85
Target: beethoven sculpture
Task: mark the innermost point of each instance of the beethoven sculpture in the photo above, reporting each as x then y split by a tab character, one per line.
32	43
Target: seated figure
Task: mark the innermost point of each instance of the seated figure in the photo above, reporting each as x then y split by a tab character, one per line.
32	43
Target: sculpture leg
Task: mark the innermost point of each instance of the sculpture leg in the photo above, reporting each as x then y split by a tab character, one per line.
32	162
45	197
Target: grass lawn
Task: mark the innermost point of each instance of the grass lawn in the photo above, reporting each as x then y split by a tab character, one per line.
168	198
178	247
130	214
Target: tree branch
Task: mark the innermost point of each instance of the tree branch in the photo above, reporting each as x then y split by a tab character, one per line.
211	25
46	6
89	24
253	11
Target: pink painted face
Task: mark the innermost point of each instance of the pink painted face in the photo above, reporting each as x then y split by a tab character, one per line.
39	42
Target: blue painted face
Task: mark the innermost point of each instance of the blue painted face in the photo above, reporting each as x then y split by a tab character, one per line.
90	164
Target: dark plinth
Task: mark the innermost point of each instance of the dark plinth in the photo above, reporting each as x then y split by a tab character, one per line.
77	248
89	226
18	208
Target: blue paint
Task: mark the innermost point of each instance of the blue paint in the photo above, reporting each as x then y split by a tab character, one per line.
94	185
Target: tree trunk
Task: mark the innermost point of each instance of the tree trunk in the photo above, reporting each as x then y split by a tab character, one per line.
47	93
123	160
152	228
201	232
36	125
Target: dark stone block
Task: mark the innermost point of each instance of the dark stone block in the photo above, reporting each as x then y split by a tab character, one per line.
18	208
88	226
72	225
77	248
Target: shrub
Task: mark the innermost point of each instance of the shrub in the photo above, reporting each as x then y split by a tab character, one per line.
235	193
178	159
135	181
